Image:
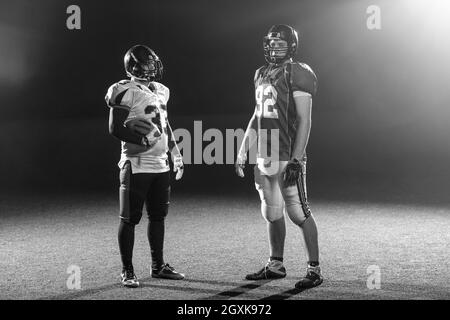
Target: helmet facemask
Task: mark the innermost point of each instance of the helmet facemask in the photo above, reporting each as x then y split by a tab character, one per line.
276	50
280	44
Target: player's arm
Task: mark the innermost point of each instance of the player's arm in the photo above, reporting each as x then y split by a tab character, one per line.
249	140
173	147
304	86
303	106
250	136
177	158
117	117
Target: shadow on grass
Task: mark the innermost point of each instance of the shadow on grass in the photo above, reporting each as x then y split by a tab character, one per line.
237	291
212	293
284	295
341	290
84	292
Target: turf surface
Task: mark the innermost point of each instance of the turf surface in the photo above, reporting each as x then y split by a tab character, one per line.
215	241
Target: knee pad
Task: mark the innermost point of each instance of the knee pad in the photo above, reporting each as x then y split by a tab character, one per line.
127	222
297	206
158	204
131	217
271	213
270	195
158	213
298	214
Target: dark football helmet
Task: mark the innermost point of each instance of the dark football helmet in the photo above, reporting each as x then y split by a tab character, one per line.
142	63
280	32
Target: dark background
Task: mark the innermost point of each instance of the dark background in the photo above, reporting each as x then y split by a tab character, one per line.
380	119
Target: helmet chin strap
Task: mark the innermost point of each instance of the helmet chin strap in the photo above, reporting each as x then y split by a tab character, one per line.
281	61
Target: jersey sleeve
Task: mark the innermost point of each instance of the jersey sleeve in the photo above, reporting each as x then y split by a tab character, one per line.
119	95
303	79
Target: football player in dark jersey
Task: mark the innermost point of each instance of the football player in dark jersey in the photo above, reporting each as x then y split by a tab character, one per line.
281	126
138	117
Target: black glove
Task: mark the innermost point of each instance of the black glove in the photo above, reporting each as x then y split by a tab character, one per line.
292	172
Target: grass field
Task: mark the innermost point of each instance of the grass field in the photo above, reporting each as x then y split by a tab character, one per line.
215	241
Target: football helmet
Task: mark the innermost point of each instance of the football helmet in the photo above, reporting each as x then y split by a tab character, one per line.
280	32
142	63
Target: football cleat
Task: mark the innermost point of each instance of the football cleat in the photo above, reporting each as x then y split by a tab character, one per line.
312	279
129	279
273	269
167	272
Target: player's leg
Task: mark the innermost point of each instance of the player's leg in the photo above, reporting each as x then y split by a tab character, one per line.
272	211
299	212
131	199
157	203
277	233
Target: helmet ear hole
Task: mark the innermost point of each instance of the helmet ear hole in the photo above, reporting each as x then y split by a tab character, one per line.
293	49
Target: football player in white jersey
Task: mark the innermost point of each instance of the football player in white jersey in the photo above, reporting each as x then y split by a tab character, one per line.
138	118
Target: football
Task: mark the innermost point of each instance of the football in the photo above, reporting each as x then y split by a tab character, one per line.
140	126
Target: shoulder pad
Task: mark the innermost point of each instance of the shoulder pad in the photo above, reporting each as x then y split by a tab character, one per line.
303	78
120	95
257	73
161	90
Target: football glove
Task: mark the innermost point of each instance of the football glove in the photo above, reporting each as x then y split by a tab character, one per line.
292	172
240	165
178	166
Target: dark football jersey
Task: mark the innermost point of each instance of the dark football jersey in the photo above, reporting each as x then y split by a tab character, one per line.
275	106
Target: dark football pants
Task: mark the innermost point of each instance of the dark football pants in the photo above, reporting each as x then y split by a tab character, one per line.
153	189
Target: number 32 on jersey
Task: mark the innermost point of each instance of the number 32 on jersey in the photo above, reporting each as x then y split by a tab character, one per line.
266	98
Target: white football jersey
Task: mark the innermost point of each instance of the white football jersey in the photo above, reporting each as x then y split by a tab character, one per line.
149	103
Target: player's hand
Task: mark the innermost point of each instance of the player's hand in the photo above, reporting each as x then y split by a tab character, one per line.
240	165
178	166
291	173
149	144
140	126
